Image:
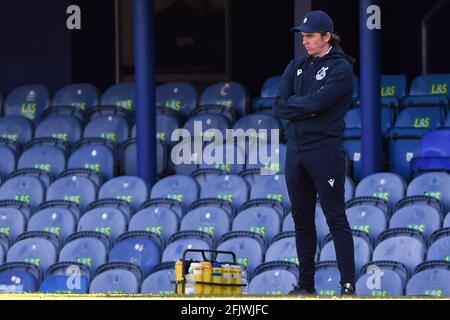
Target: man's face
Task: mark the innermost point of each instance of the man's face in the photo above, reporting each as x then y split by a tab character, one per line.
314	43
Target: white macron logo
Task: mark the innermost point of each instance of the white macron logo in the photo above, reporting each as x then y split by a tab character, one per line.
299	72
331	182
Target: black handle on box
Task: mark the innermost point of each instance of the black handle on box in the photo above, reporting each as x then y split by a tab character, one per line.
203	251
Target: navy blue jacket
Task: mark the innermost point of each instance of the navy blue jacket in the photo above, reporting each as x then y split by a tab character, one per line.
314	95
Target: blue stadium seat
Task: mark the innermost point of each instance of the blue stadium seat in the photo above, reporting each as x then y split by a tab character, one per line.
432	184
96	154
185	157
166	124
231	95
178	96
141	248
417	213
431	84
157	217
353	122
78	95
19	277
111	127
264	221
18	129
37	247
66	278
403	245
434	153
13	218
117	278
420	118
26	189
258	127
45	177
132	189
439	248
80	190
119	95
202	176
28	101
92	175
273	279
129	157
229	158
393	86
183	240
431	278
231	188
271	187
183	189
362	246
86	247
386	186
264	103
369	218
283	248
204	123
8	154
48	154
288	223
248	246
110	221
327	278
66	128
446	223
382	279
58	217
212	220
161	280
267	165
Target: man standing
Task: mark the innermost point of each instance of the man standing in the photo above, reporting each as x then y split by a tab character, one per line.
314	95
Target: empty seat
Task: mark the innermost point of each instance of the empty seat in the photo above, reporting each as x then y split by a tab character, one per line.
181	241
36	247
26	189
270	160
393	86
28	101
362	248
273	278
421	214
431	278
131	189
406	246
110	127
78	95
16	128
327	278
117	278
433	184
227	157
202	176
261	220
66	278
208	126
210	219
389	187
231	188
13	218
109	221
45	177
129	157
283	248
368	218
66	128
156	217
46	154
434	153
139	247
80	190
96	154
439	248
271	187
166	124
86	247
161	280
431	84
382	279
183	189
259	127
92	175
178	96
248	246
231	95
8	154
58	217
269	89
119	95
19	277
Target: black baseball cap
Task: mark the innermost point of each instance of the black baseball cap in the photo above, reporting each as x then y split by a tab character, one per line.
315	21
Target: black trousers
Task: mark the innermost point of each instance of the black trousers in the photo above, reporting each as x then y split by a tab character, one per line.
308	173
